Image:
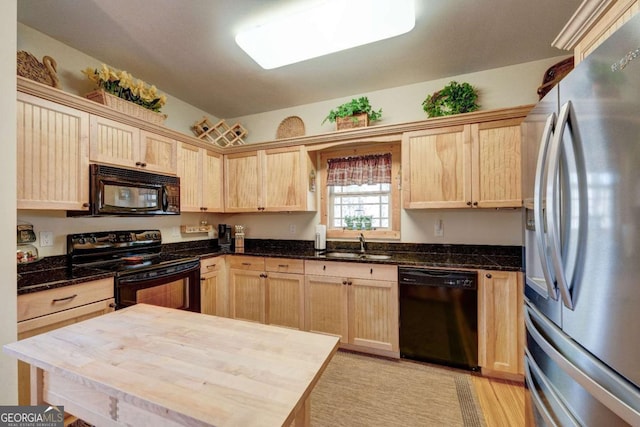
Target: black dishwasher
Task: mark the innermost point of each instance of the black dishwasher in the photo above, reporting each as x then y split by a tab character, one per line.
439	316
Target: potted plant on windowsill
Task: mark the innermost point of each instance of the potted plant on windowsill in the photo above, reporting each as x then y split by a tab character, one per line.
355	113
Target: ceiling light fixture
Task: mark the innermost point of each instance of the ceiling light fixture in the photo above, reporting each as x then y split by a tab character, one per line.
326	27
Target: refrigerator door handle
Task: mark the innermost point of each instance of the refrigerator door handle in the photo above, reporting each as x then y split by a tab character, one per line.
553	231
593	375
559	409
538	212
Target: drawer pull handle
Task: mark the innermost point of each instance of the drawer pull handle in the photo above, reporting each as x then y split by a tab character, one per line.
246	263
55	300
211	266
283	265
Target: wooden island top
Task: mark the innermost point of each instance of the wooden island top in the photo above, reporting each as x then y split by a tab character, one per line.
154	366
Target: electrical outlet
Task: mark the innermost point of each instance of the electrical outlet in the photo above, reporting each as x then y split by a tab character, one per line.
438	228
292	228
46	238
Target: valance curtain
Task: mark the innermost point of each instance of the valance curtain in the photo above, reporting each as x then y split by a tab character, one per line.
371	169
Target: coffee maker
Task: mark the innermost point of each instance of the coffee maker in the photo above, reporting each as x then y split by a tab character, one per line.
224	235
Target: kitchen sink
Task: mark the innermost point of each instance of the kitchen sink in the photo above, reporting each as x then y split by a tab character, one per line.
343	255
357	255
376	256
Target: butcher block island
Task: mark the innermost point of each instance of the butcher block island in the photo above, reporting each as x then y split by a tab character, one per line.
153	366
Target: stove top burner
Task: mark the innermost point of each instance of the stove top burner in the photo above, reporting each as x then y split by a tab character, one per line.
122	251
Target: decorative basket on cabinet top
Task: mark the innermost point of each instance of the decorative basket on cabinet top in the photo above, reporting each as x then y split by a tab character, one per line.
124	106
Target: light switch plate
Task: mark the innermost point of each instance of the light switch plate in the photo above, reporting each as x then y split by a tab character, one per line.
46	238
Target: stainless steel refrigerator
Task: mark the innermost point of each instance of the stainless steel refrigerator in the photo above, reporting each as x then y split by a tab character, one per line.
582	238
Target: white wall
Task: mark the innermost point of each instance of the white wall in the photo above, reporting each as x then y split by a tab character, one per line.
71	62
8	332
497	88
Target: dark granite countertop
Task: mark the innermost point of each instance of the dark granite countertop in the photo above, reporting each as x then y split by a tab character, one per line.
53	272
479	257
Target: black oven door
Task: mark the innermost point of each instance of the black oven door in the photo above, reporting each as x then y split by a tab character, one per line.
177	286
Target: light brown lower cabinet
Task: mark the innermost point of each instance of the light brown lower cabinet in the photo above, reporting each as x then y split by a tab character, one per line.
213	287
357	302
45	311
501	324
267	290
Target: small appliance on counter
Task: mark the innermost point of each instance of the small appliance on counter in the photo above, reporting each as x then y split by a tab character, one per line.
320	243
224	236
25	251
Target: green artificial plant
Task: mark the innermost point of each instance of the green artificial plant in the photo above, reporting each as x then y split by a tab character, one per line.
454	98
355	106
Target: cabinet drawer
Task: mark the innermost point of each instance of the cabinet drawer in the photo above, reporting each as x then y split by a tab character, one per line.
210	265
53	300
352	270
246	262
284	265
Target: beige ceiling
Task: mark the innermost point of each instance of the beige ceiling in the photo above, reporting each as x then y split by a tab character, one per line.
187	48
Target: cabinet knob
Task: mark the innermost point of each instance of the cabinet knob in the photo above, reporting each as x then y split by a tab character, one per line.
488	275
344	282
475	203
469	203
85	205
349	283
202	279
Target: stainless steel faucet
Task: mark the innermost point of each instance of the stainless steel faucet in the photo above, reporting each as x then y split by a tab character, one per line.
362	242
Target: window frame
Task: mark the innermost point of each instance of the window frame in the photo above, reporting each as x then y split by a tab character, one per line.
393	233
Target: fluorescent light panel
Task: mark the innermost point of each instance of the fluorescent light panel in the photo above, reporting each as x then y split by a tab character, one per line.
326	27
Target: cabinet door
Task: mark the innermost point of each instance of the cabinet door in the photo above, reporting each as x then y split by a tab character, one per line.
497	164
52	155
242	175
373	314
326	306
114	143
436	168
190	173
284	187
40	325
285	299
212	180
501	322
158	153
213	287
247	295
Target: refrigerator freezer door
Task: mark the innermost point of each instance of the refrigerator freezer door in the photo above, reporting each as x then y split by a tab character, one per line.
605	287
589	391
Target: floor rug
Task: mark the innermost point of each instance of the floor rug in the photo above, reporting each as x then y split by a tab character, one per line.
358	390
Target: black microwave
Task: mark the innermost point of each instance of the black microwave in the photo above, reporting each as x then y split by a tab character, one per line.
127	192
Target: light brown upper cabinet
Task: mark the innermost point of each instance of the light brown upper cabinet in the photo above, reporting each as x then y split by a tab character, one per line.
274	180
123	145
467	166
200	172
52	155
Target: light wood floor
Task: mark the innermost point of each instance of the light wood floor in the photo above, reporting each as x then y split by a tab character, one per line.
502	401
